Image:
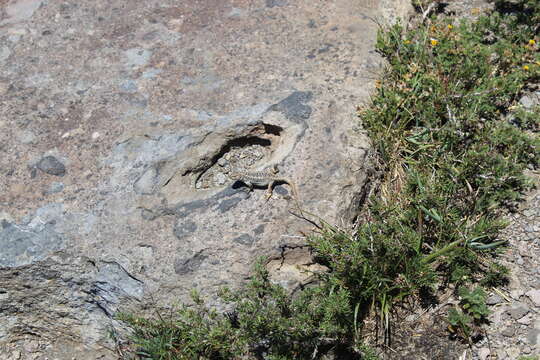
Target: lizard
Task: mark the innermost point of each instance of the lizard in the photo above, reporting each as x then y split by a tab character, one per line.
267	178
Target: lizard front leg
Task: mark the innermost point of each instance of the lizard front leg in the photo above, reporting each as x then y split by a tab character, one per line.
249	185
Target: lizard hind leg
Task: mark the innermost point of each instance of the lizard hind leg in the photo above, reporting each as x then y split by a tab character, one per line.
269	191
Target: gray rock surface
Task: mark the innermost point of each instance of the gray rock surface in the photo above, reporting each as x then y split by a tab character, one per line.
142	107
23	245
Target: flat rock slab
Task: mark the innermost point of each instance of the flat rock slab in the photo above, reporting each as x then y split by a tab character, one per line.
119	123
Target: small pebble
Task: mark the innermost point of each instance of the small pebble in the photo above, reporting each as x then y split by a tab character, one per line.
50	165
494	299
518	310
526	320
222	162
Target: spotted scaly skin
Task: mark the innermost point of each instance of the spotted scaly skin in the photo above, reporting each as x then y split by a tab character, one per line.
263	178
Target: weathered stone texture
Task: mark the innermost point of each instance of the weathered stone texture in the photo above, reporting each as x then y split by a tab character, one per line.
138	108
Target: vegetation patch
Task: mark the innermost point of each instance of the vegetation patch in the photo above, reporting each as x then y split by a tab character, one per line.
452	143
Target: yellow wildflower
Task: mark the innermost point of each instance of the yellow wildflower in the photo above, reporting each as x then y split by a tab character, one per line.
434	42
525	67
450	26
532	42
